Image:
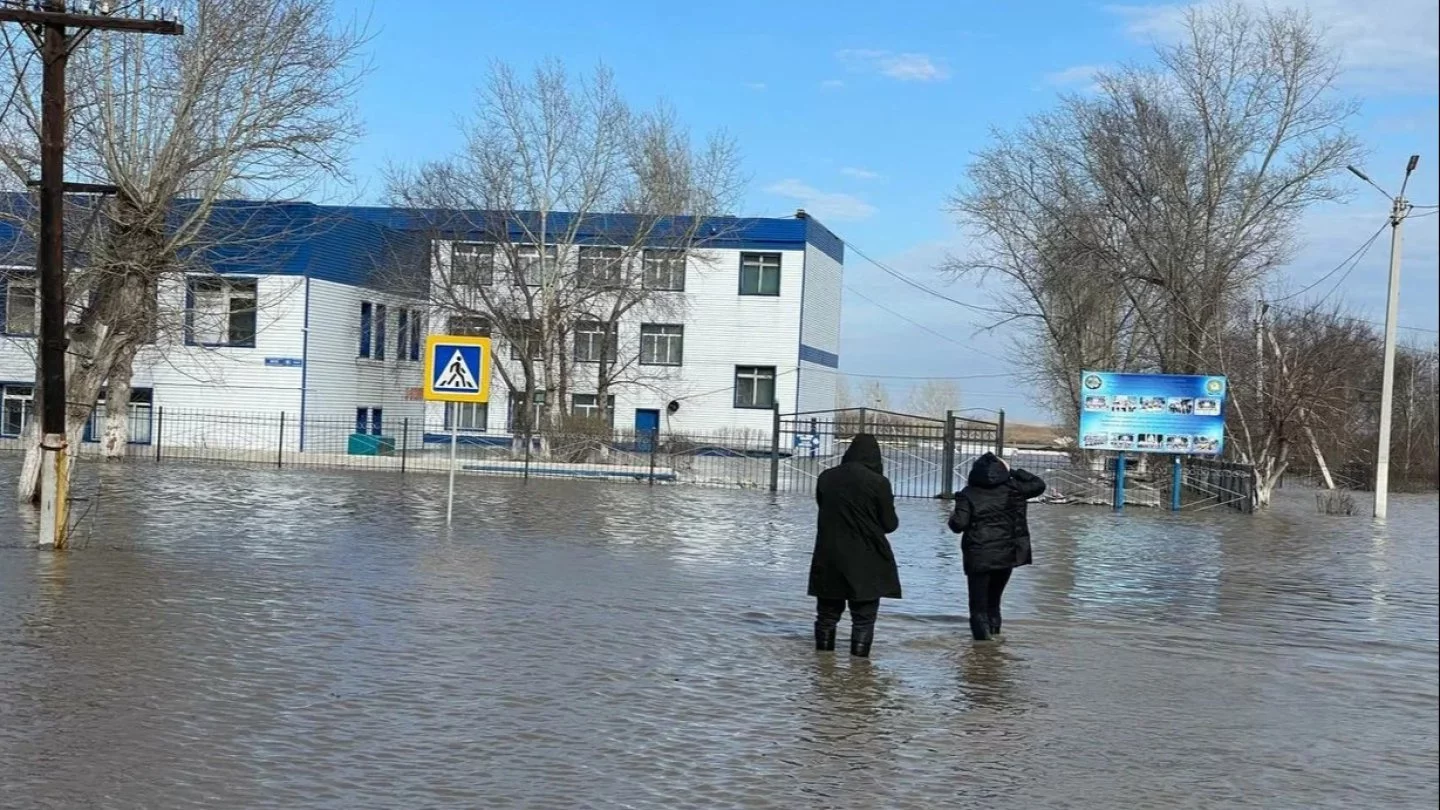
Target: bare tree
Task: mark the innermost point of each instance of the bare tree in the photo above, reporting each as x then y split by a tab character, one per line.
566	214
933	398
254	100
1129	225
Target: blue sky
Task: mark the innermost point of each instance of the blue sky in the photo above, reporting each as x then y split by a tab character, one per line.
866	115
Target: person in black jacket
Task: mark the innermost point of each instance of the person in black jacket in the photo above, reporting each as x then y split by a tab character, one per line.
852	561
990	515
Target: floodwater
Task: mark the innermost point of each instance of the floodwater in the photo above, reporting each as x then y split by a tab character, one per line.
247	638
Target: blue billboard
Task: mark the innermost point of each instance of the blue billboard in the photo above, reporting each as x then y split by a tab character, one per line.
1152	413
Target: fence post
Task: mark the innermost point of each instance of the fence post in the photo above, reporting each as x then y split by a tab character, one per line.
654	448
947	474
404	442
1177	479
775	447
1120	482
1000	434
529	440
862	421
280	448
159	432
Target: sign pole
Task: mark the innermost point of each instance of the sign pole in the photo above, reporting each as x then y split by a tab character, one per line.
1120	482
1177	477
457	371
450	496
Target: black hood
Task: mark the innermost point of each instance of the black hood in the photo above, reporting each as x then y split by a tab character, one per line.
865	450
988	471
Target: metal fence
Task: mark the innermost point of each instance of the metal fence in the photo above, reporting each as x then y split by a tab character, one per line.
924	457
787	458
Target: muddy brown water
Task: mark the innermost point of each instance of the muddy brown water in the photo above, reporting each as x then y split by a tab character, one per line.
249	638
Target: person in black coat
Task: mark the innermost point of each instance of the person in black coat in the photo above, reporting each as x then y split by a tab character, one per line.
852	561
990	516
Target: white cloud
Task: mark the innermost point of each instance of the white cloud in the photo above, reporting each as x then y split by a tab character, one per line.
1082	76
832	84
1391	44
827	205
905	67
758	87
860	174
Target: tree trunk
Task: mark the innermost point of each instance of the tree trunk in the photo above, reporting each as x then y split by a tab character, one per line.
117	405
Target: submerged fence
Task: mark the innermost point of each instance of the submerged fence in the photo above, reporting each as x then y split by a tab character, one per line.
924	457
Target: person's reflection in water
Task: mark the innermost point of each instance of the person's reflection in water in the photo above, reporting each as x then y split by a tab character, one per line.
988	681
848	742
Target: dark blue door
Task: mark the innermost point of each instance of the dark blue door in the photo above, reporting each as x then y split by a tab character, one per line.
647	425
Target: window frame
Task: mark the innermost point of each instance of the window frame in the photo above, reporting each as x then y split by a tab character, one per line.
26	407
530	336
612	263
382	319
594	405
367	330
610	352
652	257
228	287
524	262
452	409
478	326
481	273
679	338
762	257
23	281
756	378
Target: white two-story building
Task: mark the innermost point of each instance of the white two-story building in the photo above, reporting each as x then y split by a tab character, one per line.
319	313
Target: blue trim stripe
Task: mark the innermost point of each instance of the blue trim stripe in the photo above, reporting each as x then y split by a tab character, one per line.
819	357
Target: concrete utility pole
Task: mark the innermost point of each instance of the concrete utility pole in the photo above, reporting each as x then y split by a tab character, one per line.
1399	210
48	24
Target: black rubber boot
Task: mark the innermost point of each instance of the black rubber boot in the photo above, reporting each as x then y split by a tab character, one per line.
860	640
994	624
824	638
980	627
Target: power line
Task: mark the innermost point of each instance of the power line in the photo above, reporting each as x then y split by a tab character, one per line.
907	319
919	286
1355	256
1377	324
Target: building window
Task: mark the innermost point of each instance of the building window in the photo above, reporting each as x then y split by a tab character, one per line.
472	265
599	267
367	326
471	417
221	312
662	344
587	407
19	307
528	268
468	325
142	402
517	407
592	338
402	334
381	319
759	273
417	334
526	336
664	269
17	408
370	420
754	386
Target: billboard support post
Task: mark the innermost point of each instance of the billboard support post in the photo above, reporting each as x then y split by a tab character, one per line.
1120	482
1177	478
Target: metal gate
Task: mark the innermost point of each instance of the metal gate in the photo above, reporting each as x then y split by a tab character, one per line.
924	457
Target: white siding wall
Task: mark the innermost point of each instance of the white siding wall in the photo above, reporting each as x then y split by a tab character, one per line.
723	329
820	328
339	381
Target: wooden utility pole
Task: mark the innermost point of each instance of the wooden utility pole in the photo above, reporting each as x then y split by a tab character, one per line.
49	25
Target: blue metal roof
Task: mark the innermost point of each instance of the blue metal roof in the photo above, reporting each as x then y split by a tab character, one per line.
378	246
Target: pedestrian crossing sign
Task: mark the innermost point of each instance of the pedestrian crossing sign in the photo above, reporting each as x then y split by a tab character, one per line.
457	368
